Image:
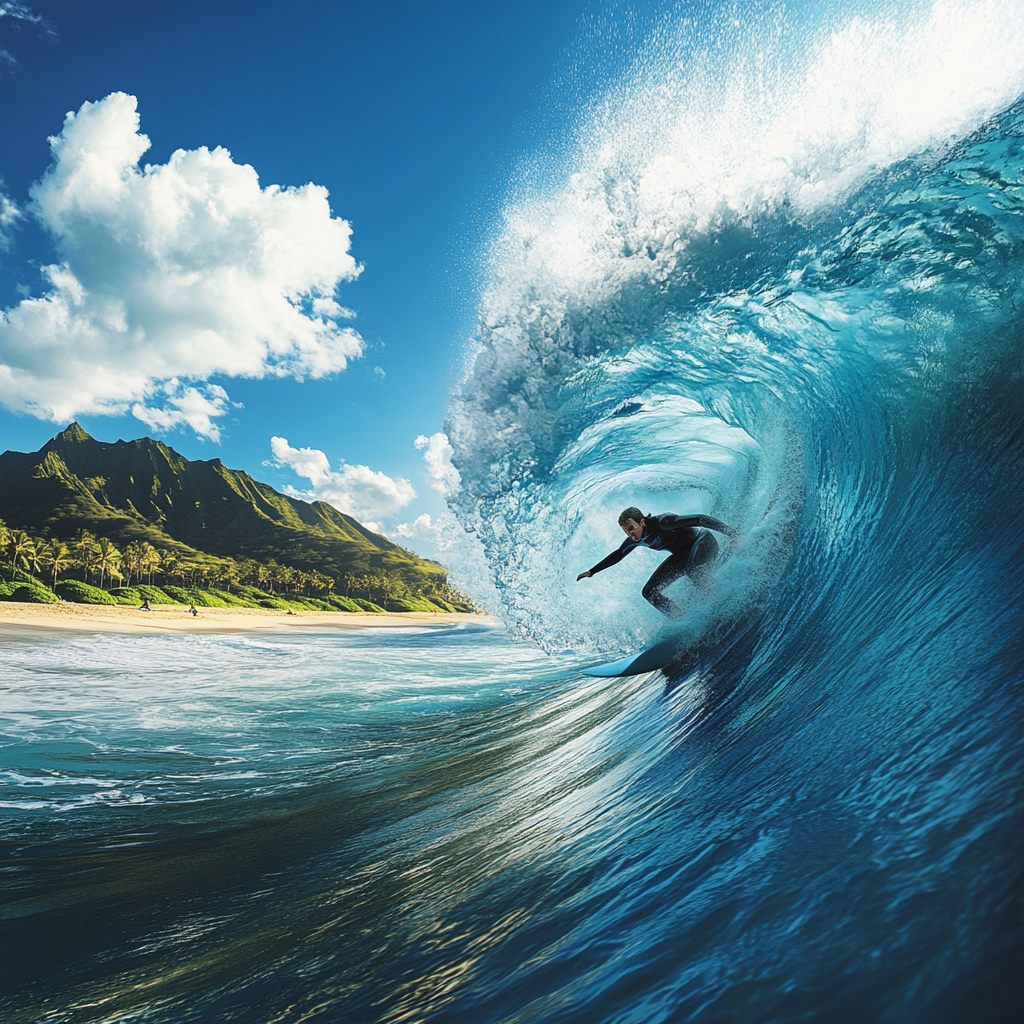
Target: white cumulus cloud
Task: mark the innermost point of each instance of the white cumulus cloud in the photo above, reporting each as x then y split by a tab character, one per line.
170	274
195	407
357	491
421	528
444	477
9	217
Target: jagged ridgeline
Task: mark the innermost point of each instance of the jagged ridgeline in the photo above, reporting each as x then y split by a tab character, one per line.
203	512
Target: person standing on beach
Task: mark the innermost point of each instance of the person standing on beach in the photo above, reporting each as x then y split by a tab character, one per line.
692	550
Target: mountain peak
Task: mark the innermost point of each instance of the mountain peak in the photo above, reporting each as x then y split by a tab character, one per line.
73	432
132	490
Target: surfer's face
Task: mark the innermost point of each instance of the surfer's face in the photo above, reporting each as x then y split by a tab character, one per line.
634	529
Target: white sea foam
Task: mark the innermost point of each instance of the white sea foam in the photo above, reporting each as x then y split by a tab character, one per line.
707	131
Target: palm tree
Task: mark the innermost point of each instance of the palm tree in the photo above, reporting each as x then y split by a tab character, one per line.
263	576
168	563
228	575
108	559
273	575
283	575
32	560
150	560
132	561
87	562
57	557
84	547
19	548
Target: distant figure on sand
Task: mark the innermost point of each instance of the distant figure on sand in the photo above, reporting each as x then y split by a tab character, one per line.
144	607
192	610
692	550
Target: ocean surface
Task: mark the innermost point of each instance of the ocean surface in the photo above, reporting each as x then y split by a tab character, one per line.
774	273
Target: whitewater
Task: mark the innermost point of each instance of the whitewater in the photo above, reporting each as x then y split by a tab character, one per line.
773	274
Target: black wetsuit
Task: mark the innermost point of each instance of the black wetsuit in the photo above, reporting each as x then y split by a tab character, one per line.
691	547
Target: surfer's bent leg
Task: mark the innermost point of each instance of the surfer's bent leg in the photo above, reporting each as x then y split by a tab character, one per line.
666	574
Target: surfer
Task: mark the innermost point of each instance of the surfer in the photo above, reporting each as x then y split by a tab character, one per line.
693	550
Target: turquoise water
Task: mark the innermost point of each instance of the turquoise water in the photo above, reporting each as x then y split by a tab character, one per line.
439	824
775	275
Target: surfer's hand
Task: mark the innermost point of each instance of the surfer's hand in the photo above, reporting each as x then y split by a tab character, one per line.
583	576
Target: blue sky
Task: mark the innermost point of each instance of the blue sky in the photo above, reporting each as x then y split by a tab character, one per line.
415	117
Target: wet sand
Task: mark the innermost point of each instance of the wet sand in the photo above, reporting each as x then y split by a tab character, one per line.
176	619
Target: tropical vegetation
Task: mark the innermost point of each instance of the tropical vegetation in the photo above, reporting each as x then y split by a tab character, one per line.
97	522
94	571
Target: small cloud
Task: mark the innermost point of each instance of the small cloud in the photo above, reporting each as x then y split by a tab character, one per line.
14	13
187	406
444	477
421	528
355	490
379	373
19	12
10	215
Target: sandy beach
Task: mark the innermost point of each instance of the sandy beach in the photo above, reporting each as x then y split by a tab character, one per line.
176	619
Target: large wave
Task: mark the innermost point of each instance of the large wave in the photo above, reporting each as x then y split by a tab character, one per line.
779	283
777	280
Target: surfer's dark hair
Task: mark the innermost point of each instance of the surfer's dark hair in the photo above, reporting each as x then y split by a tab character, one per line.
630	513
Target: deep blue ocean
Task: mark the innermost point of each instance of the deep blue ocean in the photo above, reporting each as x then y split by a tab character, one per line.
775	275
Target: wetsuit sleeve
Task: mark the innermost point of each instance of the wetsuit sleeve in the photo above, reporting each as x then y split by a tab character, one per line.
708	522
711	523
615	557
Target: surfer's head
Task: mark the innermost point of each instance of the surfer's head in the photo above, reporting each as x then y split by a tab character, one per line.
632	521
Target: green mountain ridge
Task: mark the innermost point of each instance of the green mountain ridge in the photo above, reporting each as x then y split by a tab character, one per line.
144	490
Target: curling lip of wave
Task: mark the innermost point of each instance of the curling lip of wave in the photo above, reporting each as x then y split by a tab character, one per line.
694	252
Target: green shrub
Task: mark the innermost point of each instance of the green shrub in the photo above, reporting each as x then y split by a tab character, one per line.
274	602
28	593
200	598
233	600
342	604
11	574
83	593
126	595
368	606
154	595
408	604
34	595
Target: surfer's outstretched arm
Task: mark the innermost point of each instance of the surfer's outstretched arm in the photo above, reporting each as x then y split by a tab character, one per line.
613	559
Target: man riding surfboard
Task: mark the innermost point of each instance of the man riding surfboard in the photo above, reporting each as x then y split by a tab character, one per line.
692	550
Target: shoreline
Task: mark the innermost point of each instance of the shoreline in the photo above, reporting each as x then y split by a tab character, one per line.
93	618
